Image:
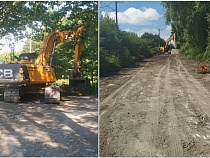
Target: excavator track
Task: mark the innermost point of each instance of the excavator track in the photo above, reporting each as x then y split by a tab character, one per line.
52	95
11	95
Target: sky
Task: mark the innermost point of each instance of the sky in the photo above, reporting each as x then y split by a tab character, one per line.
5	47
138	16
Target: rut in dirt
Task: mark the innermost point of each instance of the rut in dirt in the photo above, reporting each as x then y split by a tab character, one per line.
161	111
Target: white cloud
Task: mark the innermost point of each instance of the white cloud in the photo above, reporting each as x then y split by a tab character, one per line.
164	33
128	30
135	16
168	27
148	30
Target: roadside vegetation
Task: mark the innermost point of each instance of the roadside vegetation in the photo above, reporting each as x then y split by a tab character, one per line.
190	20
120	49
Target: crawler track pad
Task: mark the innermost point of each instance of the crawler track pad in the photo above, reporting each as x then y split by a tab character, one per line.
52	95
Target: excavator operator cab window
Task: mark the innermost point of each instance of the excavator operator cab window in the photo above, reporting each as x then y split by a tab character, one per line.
28	56
24	56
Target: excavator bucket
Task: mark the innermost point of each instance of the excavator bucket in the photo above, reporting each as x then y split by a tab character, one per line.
79	86
79	82
203	68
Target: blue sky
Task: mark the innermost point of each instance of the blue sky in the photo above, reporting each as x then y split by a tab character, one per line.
138	16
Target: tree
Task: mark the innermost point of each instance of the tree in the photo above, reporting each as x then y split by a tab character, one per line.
189	20
119	49
16	16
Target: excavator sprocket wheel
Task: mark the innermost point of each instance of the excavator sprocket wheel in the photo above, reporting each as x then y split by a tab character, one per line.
11	95
52	95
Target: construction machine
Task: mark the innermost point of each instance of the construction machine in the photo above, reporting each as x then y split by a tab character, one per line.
33	73
165	48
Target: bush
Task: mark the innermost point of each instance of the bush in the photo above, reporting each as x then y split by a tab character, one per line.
108	63
125	58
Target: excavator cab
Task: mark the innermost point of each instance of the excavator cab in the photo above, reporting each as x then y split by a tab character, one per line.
28	57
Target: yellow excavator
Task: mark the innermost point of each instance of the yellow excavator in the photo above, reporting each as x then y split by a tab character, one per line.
32	73
165	48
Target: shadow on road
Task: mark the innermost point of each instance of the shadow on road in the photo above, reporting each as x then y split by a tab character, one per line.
37	129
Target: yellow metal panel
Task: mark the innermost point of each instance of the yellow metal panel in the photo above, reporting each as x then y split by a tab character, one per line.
40	74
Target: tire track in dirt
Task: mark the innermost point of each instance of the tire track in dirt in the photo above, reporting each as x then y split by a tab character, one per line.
174	139
114	114
162	111
194	117
197	91
149	133
118	90
184	110
129	102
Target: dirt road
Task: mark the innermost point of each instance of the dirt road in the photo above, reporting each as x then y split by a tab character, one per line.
32	129
161	108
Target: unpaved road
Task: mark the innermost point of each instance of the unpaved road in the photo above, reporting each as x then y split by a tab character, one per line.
161	108
34	129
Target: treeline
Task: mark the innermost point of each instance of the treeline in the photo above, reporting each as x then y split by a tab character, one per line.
190	20
35	20
120	49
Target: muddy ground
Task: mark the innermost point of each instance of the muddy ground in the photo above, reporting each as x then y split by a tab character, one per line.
159	108
34	129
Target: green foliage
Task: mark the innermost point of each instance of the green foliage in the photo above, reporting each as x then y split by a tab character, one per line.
109	63
190	22
35	45
16	16
126	59
109	38
153	41
61	82
7	56
120	49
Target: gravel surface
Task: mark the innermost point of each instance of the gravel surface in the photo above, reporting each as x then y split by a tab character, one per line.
35	129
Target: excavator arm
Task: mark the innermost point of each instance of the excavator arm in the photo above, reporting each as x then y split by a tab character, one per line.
78	52
53	39
172	37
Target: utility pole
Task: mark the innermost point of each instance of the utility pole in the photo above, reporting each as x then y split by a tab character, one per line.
116	12
12	51
30	45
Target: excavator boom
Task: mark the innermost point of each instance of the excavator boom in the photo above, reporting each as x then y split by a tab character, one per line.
53	39
172	37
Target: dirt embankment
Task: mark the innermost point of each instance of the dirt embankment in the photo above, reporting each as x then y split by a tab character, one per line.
31	128
160	108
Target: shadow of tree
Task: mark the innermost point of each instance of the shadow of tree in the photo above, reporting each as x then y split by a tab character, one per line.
50	130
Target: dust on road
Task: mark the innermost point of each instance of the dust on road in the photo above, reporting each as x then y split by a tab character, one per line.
33	129
162	109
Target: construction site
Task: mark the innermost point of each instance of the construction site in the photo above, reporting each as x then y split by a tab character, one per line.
160	108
